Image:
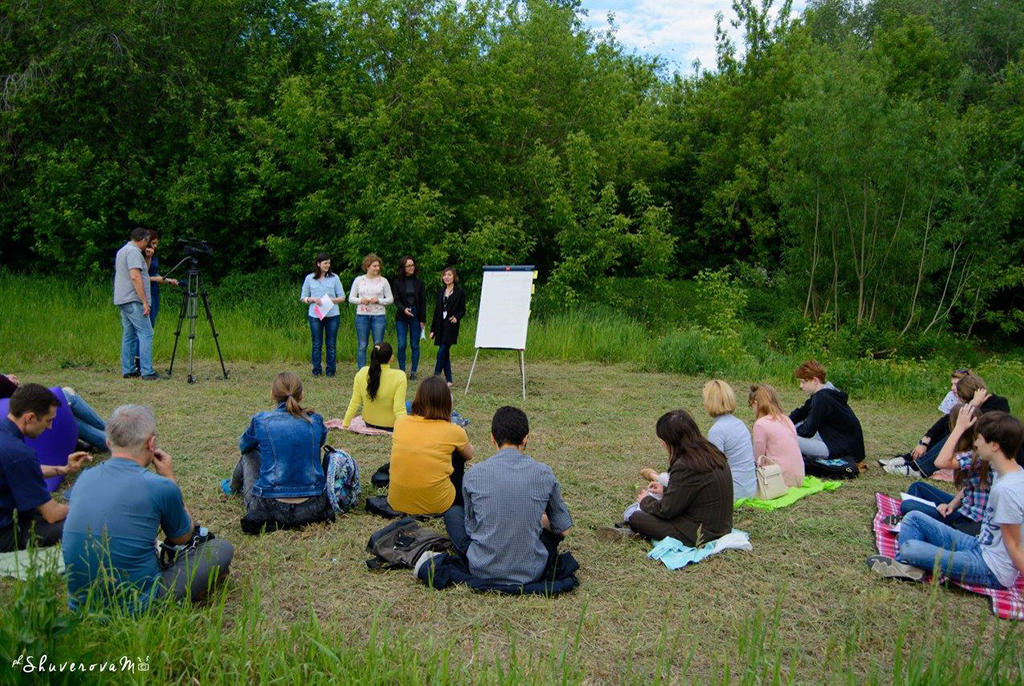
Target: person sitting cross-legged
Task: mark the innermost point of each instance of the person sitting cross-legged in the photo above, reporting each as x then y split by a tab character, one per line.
116	510
921	460
379	390
22	489
774	434
281	474
513	517
965	510
695	505
994	557
730	435
428	454
826	426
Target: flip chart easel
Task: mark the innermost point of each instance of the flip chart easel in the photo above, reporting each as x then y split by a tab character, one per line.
504	313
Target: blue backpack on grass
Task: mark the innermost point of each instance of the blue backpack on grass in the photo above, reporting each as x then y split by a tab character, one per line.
342	474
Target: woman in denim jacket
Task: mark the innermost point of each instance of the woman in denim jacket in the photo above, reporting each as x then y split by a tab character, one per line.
281	474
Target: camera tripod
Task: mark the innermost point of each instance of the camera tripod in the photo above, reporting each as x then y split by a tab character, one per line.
195	289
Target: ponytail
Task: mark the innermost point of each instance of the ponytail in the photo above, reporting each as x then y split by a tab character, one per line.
287	389
379	356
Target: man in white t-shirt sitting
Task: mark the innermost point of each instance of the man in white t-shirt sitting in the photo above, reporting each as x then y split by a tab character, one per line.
993	558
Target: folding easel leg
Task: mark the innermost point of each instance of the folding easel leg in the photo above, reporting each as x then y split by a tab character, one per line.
522	370
471	370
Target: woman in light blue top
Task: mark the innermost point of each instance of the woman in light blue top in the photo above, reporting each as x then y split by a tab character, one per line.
732	437
323	325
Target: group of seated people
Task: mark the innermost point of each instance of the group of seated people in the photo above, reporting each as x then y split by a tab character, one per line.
505	515
972	535
116	509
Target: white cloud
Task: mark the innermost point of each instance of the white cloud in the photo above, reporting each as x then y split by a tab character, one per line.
680	31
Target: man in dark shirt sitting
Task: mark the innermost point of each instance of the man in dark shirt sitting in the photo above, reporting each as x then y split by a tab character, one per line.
826	426
22	489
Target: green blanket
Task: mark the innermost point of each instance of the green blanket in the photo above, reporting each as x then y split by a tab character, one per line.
18	564
811	486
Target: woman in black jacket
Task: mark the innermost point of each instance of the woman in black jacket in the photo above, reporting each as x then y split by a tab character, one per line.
449	310
410	312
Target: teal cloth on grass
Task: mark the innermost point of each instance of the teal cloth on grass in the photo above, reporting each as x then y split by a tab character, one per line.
674	555
812	485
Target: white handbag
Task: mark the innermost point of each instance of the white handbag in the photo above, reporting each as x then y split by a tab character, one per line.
770	484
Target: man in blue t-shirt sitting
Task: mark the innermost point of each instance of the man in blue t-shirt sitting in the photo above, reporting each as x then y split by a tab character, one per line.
117	509
22	489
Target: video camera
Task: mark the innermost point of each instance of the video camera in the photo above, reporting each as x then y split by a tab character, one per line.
195	247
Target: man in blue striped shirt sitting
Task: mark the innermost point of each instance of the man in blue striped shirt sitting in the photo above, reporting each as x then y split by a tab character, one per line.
514	516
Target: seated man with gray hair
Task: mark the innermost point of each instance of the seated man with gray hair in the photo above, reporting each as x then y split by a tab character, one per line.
115	513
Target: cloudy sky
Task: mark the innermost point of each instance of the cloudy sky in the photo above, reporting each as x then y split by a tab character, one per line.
681	31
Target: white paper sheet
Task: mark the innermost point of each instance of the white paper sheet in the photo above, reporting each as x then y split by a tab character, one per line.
323	306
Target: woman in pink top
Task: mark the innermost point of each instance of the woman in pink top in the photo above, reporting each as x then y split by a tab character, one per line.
775	435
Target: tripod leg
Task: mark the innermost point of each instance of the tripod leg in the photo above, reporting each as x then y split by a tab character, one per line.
177	330
213	328
193	306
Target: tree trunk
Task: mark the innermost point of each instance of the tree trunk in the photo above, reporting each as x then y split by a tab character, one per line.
920	267
815	253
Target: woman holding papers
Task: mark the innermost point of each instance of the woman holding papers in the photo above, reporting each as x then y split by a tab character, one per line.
322	290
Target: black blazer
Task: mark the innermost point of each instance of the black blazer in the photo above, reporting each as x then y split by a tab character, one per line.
419	302
444	331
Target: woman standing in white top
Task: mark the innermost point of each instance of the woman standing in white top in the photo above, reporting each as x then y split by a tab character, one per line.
370	293
323	326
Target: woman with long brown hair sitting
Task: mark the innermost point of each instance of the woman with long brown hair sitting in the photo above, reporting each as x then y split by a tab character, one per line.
696	506
280	474
428	454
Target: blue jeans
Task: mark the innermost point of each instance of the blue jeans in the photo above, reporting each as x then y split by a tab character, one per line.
364	324
924	490
922	540
926	463
411	328
91	427
320	329
444	361
455	525
137	337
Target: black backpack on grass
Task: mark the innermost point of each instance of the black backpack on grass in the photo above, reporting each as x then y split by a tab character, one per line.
400	544
831	467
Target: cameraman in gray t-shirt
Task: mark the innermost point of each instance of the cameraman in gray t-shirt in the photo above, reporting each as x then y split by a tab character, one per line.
131	295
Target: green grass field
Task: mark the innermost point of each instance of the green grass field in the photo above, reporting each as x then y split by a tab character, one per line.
302	606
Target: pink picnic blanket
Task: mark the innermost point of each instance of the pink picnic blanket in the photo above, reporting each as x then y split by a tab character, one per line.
358	425
1007	603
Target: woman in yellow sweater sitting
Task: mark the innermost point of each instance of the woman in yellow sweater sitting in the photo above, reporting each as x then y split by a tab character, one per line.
379	390
428	454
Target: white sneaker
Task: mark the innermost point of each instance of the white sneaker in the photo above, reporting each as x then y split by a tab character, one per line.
422	560
899	459
891	569
900	469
